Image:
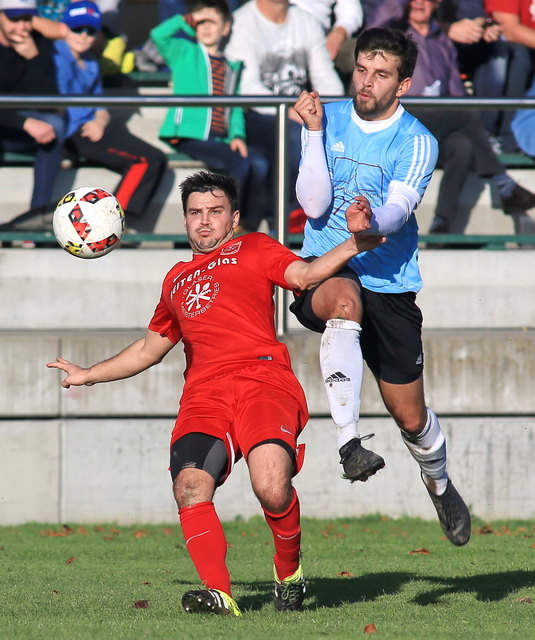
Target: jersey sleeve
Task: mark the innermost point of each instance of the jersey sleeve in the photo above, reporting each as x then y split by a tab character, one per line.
416	162
165	323
276	257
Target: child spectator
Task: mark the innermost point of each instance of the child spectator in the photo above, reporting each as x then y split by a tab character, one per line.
213	135
91	132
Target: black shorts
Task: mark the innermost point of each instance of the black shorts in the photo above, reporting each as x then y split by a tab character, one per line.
391	338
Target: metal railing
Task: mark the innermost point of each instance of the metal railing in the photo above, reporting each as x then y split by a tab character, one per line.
281	105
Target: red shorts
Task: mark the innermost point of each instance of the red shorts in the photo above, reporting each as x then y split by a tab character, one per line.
244	408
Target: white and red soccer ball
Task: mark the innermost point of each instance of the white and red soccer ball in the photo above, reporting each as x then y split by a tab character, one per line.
88	222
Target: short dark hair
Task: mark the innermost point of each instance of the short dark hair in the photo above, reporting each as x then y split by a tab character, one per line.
392	41
218	5
205	181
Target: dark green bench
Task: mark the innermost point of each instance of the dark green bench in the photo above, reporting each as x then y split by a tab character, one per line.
442	241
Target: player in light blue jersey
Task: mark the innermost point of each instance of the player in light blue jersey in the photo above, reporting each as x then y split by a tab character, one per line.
371	149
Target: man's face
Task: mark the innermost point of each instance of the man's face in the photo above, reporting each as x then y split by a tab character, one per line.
376	85
209	220
15	31
210	27
421	11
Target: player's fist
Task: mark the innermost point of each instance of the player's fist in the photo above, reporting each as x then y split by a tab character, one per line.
310	109
358	215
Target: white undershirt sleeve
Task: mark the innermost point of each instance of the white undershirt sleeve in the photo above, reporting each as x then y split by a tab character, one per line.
313	186
401	200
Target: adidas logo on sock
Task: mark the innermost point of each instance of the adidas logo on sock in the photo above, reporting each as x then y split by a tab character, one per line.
337	377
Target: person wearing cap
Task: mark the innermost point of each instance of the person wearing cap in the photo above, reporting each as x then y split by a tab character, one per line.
27	68
93	133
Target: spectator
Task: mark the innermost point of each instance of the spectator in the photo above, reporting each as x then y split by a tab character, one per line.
463	141
284	51
214	135
169	8
340	19
28	68
493	66
91	133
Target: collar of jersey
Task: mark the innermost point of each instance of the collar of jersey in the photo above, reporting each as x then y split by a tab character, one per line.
372	126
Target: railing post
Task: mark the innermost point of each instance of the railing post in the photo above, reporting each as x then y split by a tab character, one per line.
281	224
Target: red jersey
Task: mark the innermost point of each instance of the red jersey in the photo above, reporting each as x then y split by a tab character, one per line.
221	306
524	9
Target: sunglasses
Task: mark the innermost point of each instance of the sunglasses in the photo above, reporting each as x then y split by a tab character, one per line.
89	31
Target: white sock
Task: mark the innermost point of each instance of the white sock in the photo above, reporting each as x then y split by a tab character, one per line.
428	448
341	366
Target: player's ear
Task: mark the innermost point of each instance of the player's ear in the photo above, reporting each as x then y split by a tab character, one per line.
226	28
235	218
404	86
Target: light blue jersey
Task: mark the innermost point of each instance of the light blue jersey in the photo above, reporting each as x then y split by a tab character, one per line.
365	163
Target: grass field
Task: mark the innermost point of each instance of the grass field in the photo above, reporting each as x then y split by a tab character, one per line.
392	579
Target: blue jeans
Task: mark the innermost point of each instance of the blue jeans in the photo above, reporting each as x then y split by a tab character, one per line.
47	156
261	136
250	172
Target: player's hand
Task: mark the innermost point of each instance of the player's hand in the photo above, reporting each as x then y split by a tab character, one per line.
308	106
76	376
358	215
42	132
367	243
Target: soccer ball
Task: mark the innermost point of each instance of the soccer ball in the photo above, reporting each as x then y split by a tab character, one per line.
88	222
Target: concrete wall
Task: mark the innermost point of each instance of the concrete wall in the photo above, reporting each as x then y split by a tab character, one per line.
84	470
100	453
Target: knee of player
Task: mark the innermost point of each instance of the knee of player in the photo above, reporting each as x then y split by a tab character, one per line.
274	497
192	486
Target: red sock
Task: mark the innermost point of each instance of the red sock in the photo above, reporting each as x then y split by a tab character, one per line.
206	544
286	529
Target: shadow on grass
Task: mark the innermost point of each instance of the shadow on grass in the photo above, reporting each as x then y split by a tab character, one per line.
332	592
490	587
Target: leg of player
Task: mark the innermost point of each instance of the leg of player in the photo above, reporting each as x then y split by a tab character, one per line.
270	469
203	533
337	302
421	433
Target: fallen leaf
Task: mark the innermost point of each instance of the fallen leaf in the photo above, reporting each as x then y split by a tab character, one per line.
167	531
141	604
422	552
525	600
147	583
532	546
370	628
141	533
1	547
70	560
485	530
345	574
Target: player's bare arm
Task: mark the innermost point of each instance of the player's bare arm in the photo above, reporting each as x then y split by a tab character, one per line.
308	106
137	357
304	275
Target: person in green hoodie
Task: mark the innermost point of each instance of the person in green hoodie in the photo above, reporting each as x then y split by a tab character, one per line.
191	47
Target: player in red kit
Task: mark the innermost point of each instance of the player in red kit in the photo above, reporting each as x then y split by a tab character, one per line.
240	398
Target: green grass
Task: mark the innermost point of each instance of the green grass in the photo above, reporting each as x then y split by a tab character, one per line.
400	575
